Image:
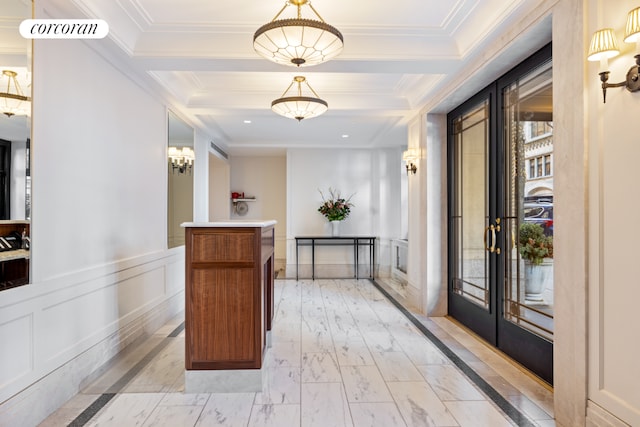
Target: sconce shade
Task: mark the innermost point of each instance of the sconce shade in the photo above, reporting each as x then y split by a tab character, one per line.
603	45
298	41
13	102
299	107
632	30
410	155
181	159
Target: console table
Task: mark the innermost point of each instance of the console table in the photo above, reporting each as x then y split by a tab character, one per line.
355	241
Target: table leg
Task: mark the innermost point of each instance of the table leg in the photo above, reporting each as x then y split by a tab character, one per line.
372	257
313	259
355	257
297	259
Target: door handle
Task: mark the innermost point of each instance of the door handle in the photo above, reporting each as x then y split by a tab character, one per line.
486	233
493	229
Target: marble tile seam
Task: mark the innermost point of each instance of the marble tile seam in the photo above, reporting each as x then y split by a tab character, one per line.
119	385
500	401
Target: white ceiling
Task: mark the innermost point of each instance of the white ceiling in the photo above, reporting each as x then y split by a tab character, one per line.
397	55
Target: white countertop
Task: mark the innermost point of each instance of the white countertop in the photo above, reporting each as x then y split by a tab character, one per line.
231	223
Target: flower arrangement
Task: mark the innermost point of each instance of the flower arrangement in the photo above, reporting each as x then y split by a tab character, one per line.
336	207
535	246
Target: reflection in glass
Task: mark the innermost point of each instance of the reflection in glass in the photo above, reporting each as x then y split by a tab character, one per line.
180	160
471	216
529	202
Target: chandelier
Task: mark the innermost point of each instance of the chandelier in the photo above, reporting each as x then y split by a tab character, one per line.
298	41
181	159
299	107
13	101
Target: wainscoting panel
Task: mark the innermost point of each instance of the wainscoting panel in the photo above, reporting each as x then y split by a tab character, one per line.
54	334
16	338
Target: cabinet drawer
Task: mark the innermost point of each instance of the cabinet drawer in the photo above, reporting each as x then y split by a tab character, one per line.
212	246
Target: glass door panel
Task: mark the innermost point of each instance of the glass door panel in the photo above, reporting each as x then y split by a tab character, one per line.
528	218
501	214
525	204
471	216
472	232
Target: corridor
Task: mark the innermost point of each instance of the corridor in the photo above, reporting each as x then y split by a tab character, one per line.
343	354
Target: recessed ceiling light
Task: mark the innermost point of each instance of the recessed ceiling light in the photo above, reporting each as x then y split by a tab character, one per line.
345	135
247	121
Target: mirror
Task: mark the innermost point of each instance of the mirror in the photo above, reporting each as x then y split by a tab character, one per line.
15	143
180	164
15	122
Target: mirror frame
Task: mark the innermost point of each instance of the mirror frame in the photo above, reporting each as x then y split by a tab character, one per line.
180	181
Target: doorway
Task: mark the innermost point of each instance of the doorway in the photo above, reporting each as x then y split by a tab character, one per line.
500	149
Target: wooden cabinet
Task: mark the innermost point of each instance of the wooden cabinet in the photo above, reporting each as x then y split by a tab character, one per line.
229	294
14	264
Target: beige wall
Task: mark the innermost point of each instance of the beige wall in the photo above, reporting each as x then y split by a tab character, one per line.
613	150
219	193
265	178
570	214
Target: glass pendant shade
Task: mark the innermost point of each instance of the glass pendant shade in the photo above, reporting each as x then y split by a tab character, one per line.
298	41
13	102
299	107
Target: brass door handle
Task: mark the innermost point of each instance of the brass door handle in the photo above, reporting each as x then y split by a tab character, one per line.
486	231
495	229
492	248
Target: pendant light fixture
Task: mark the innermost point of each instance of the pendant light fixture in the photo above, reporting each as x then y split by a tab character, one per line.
298	41
299	107
13	101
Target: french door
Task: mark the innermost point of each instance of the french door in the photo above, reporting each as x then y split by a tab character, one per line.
501	214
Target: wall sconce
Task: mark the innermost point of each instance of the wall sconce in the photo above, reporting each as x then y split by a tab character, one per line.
181	159
409	157
604	46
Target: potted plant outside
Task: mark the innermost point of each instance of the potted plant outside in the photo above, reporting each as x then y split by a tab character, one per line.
536	249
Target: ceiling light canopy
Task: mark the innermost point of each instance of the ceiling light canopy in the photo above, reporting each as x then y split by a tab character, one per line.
13	101
298	41
299	107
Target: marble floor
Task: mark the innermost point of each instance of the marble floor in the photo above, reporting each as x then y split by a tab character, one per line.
342	355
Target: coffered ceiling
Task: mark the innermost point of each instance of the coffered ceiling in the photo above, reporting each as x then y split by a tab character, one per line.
397	55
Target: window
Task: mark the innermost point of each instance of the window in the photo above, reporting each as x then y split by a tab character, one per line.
547	165
537	129
540	166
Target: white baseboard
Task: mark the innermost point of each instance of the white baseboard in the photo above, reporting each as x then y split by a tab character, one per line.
597	416
329	271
